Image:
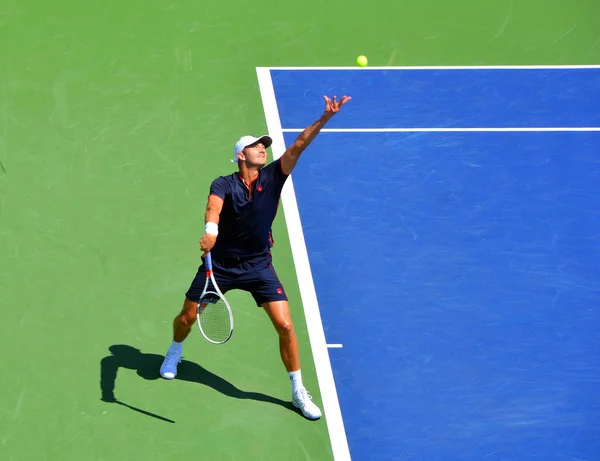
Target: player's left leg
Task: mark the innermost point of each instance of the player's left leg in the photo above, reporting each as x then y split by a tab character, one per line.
268	292
279	313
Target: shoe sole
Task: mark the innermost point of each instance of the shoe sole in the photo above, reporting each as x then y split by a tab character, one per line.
303	414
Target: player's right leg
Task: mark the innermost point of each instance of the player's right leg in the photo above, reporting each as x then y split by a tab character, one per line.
184	321
182	325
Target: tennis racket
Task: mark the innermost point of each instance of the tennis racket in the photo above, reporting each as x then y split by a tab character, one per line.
214	315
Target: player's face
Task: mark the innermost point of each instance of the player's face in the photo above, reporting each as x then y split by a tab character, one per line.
256	155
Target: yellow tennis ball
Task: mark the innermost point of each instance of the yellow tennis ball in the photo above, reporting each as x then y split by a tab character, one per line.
362	61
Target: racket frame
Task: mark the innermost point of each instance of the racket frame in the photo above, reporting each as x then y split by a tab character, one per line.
210	279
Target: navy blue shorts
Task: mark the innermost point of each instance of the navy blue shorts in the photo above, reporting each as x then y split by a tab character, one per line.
255	275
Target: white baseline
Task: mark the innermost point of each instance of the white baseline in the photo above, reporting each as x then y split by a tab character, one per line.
331	405
524	67
447	130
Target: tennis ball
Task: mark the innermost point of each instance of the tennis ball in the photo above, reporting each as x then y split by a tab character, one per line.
362	61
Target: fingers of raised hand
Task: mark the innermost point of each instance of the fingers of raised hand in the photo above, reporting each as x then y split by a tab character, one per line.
333	105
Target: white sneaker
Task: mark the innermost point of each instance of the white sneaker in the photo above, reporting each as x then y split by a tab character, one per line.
303	400
168	369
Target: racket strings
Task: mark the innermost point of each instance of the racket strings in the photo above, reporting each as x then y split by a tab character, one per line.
215	321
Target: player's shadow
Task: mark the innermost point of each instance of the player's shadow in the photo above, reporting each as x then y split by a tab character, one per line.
147	366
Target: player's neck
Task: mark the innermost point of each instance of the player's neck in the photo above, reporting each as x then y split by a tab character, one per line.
248	174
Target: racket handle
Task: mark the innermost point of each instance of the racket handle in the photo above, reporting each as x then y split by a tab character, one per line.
208	262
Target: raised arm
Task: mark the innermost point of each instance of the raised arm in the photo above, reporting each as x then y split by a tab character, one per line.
292	154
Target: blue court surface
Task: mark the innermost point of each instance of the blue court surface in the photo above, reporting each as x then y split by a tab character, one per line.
452	223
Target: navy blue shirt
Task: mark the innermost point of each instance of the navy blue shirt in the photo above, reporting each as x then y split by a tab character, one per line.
248	212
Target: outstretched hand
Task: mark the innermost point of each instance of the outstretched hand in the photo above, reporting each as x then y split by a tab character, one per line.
333	106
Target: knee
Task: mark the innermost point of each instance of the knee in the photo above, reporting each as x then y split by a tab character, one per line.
187	316
285	329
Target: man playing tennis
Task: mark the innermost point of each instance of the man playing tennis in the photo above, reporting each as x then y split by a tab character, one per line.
239	215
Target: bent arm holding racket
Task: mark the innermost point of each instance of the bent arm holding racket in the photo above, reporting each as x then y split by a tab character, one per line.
292	154
213	210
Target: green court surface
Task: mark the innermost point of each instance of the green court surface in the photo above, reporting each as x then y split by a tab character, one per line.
114	118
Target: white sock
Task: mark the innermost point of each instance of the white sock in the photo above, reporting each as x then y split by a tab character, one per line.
176	345
296	378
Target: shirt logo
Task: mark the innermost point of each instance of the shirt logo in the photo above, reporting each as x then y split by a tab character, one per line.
259	188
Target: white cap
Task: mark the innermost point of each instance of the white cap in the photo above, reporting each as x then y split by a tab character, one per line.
246	141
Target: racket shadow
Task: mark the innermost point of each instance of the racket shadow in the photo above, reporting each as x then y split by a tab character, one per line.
147	366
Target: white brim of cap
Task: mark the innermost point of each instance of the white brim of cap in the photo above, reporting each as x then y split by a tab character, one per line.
265	139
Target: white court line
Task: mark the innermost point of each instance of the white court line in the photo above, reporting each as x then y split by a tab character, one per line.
335	346
445	130
331	405
363	69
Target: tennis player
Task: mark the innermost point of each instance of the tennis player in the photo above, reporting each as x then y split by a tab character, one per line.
239	215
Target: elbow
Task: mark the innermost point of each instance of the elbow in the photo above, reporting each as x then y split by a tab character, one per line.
297	149
299	145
